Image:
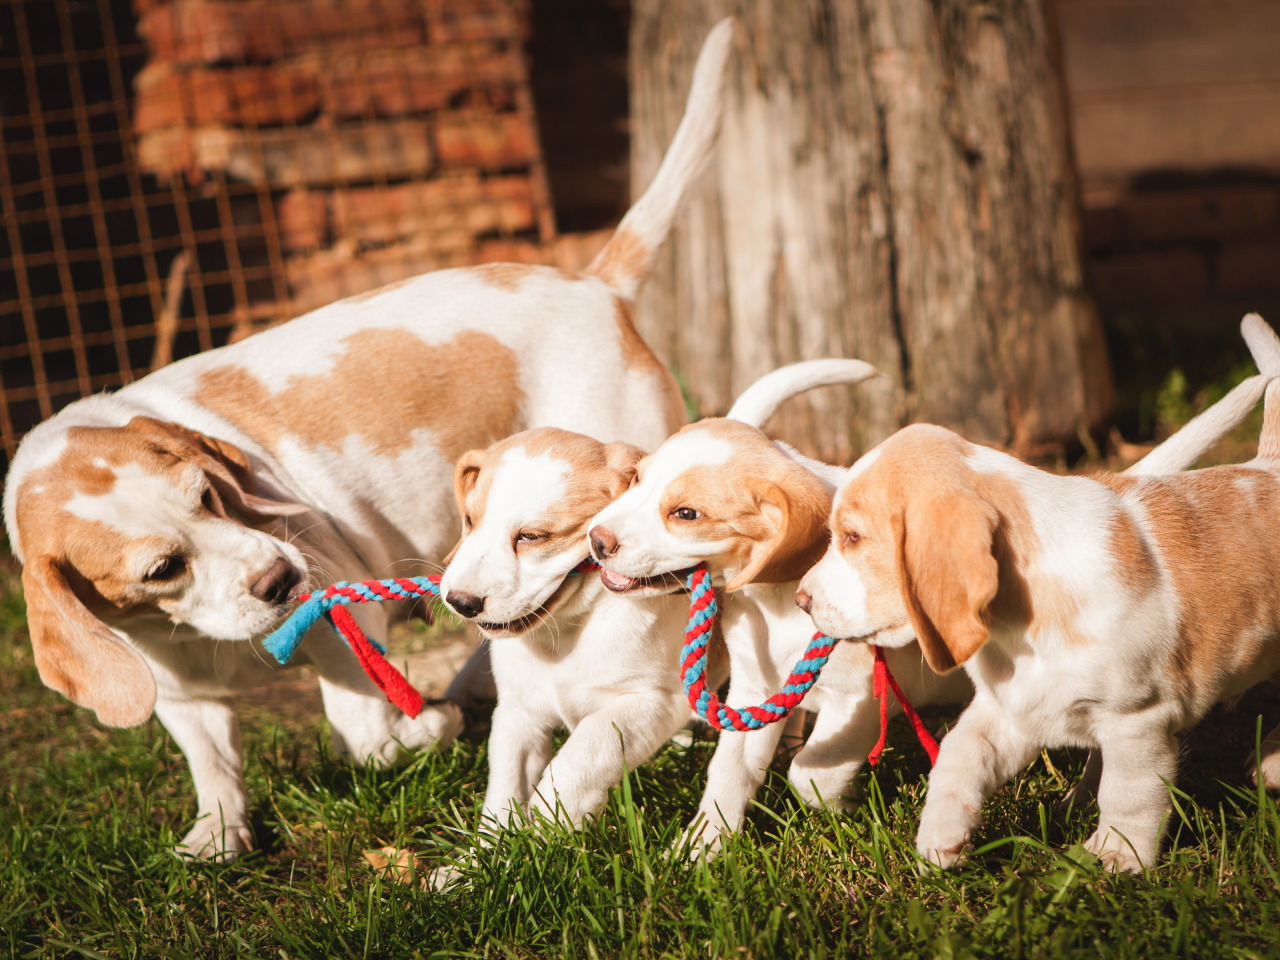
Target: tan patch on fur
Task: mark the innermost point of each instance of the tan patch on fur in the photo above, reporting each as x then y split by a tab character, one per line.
771	510
385	384
598	474
638	357
622	260
1214	529
506	276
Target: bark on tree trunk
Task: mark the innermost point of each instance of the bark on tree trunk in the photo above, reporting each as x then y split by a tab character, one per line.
894	182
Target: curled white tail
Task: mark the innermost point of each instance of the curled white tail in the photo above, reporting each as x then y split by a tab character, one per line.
1186	446
628	258
760	401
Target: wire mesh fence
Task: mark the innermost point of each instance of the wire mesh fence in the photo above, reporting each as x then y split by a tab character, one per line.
178	173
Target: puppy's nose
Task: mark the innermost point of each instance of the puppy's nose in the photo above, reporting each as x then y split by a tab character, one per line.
467	604
275	583
803	600
603	543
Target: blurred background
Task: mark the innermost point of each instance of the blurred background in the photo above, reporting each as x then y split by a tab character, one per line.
175	174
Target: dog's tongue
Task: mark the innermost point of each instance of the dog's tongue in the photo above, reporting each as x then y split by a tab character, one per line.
616	581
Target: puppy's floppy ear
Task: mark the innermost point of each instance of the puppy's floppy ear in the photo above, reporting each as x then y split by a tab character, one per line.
466	473
228	469
796	512
78	655
621	459
949	572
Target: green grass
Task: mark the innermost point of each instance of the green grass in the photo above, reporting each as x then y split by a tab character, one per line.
88	816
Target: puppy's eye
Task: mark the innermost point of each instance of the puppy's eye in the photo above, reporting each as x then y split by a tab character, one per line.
166	568
528	536
466	522
852	538
210	501
685	513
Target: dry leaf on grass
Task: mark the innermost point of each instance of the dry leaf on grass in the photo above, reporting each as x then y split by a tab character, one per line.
399	865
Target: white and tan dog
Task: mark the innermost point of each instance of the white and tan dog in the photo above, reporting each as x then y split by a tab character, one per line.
721	492
1108	612
153	522
566	652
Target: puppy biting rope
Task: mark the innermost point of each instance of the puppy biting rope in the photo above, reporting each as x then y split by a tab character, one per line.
702	615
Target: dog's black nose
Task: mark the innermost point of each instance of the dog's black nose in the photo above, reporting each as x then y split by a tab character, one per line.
466	604
603	543
275	583
803	600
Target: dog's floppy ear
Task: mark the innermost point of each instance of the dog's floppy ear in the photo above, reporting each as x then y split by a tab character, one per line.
797	514
621	459
466	472
78	655
949	573
226	466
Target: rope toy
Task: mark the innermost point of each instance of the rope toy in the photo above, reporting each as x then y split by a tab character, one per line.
331	604
705	703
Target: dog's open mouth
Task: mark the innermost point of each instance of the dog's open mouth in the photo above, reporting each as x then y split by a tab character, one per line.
672	582
529	620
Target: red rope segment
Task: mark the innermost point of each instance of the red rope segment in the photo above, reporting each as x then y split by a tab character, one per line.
389	680
882	682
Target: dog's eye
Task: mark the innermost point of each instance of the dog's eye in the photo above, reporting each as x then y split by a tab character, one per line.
528	536
852	538
466	522
209	501
166	568
685	513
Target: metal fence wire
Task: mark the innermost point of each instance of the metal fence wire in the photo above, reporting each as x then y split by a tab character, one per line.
177	173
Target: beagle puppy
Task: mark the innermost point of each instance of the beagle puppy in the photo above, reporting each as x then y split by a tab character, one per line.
165	528
755	511
1109	612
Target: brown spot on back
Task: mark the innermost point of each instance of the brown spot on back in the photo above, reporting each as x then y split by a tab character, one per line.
637	356
624	261
506	276
385	384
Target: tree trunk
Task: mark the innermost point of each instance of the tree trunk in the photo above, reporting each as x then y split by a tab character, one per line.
894	182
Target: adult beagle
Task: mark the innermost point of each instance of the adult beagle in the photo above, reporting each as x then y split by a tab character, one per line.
1109	612
187	509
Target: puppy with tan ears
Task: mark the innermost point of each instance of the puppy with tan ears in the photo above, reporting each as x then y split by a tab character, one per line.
722	493
1108	612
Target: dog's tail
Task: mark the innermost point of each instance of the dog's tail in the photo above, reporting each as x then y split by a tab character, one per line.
629	257
1186	446
760	401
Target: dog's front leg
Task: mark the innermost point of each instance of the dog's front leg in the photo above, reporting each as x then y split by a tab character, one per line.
624	734
519	747
208	733
365	725
843	734
1133	800
980	753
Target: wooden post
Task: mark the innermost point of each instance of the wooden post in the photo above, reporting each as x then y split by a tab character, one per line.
894	182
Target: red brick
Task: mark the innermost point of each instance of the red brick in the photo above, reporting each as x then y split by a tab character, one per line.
453	206
362	153
1250	268
239	96
1211	213
1149	277
485	142
416	82
302	218
449	21
200	31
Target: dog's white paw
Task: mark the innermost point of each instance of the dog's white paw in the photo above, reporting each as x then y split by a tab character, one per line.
816	795
210	840
1270	767
700	840
1114	851
942	844
437	725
